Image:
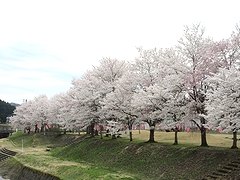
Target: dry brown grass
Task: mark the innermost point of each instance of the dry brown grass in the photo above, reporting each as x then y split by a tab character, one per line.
190	138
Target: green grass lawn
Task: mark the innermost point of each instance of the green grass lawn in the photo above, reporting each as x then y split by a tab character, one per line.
95	158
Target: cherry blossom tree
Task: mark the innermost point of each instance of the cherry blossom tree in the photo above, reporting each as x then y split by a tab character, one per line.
119	101
223	101
174	110
40	112
85	100
229	50
32	113
201	56
89	90
23	116
61	112
175	113
54	107
155	70
150	102
107	74
148	99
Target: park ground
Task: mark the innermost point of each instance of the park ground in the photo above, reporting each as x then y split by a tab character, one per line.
96	158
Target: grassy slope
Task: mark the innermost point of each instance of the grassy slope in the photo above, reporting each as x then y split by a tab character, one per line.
149	161
94	158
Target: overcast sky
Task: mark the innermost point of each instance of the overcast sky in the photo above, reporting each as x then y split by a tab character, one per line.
45	44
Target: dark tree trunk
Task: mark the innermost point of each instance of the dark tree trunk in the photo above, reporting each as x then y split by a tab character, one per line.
234	146
88	130
203	137
175	136
130	135
36	128
92	130
130	123
107	133
203	132
114	136
151	137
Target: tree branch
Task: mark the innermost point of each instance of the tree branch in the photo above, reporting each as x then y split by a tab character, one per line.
196	123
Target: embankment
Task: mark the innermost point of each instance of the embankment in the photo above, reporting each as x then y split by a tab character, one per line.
12	169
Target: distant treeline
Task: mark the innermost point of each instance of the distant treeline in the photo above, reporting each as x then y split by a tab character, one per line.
6	110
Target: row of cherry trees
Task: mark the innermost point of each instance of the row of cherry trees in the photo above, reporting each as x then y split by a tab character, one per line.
197	80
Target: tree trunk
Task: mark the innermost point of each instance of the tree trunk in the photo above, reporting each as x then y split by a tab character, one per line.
114	136
130	130
92	130
130	134
234	146
203	137
203	132
151	137
107	132
175	136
